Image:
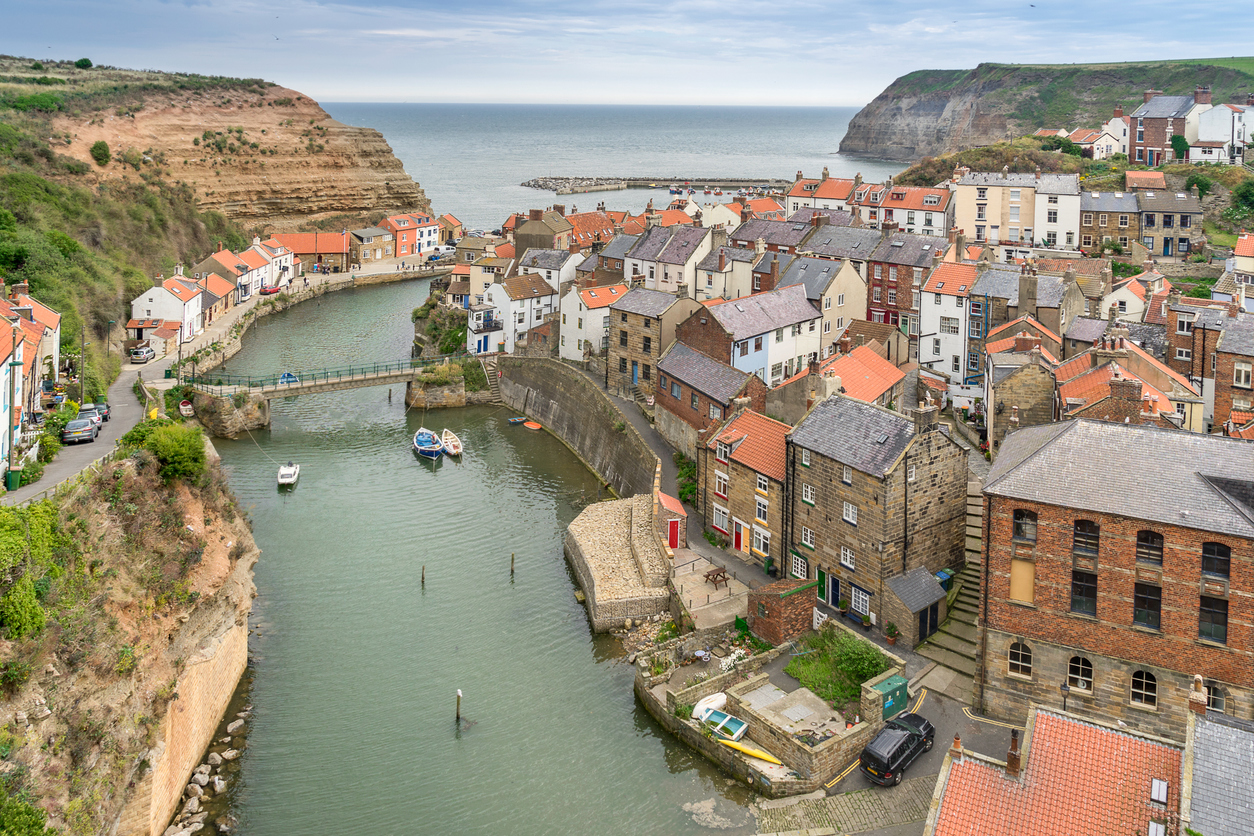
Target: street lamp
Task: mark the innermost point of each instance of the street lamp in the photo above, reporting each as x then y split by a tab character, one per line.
109	337
1066	689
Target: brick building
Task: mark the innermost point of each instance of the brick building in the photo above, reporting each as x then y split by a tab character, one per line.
694	391
1159	118
1234	357
740	485
1120	587
873	495
782	610
1194	327
895	274
642	325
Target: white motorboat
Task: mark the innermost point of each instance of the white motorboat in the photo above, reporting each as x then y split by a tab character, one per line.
288	473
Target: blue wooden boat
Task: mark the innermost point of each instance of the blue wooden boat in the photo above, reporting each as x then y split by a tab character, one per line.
520	419
288	378
427	443
720	722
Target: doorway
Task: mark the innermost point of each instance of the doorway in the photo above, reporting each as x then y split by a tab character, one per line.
672	533
928	620
738	536
635	373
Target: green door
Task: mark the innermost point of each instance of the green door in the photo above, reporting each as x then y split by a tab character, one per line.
822	586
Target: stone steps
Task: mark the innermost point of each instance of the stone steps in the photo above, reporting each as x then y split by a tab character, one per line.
947	658
962	630
953	643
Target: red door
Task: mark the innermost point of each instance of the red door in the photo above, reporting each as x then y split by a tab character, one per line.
673	533
738	538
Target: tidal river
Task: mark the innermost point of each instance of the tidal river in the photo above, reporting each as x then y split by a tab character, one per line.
355	664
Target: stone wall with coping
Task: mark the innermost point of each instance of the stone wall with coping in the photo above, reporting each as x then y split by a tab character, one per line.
608	614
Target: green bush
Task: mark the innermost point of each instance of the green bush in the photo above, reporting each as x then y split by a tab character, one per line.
100	153
1204	184
1180	146
137	436
32	472
18	817
83	63
20	612
13	675
839	664
180	451
687	478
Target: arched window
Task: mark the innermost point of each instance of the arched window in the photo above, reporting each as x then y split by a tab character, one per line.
1020	659
1216	700
1144	688
1216	559
1087	534
1025	525
1080	673
1149	546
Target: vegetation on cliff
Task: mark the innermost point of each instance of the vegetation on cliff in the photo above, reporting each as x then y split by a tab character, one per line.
932	112
97	587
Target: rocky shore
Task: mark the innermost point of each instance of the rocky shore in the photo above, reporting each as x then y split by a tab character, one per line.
568	185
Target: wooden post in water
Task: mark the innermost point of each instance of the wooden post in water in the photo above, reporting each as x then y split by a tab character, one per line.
459	705
424	574
511	564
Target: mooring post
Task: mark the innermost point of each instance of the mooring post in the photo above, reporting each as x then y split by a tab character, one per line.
389	394
459	705
511	564
424	574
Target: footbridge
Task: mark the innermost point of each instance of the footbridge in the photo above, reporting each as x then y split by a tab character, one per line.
312	381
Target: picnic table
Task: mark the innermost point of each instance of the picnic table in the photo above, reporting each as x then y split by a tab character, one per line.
716	576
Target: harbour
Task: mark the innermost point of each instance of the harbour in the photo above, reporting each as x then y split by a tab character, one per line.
688	185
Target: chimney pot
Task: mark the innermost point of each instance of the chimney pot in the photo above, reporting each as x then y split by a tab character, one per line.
1013	757
955	751
1197	696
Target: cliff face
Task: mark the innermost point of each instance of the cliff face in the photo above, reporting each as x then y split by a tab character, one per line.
933	112
255	155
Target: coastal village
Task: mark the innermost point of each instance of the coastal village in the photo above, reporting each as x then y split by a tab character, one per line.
992	434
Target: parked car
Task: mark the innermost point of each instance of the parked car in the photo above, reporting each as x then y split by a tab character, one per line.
445	249
90	412
271	289
142	354
101	408
897	745
79	430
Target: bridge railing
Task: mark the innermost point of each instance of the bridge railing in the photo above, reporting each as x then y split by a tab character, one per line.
221	383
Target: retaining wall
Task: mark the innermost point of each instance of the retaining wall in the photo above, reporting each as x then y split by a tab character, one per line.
570	406
610	614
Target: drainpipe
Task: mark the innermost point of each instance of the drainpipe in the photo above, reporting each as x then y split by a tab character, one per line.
789	468
983	620
905	516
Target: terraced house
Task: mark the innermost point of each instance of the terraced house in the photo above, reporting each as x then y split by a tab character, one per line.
876	505
1101	586
642	325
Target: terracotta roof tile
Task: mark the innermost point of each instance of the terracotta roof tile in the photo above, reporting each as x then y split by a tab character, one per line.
1020	322
1056	791
1245	245
671	504
864	374
1008	344
1145	179
313	242
253	259
761	443
956	279
600	297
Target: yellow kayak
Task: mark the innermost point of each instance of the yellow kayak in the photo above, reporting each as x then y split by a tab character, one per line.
750	751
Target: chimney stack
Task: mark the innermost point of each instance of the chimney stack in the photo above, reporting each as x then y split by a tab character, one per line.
925	418
1201	95
1126	389
799	177
844	342
722	260
825	174
1012	757
1026	342
818	219
1112	313
955	751
774	273
889	226
1027	291
1038	172
1147	95
759	246
19	289
560	208
574	247
741	199
1004	171
1197	696
1118	112
1014	419
535	215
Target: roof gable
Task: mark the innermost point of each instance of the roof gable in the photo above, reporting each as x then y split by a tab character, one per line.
757	442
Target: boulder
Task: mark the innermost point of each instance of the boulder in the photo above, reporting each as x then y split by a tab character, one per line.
234	727
191	807
214	759
193	791
230	754
200	779
20	718
203	769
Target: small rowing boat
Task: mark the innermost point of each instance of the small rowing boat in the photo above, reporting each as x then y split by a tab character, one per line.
186	409
451	443
427	443
750	751
720	722
288	474
532	425
520	419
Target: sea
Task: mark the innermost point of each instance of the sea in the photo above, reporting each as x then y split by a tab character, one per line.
471	159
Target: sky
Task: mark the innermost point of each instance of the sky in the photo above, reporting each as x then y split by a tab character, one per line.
750	52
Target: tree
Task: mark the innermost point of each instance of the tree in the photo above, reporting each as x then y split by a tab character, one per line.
83	63
1180	146
100	153
1202	182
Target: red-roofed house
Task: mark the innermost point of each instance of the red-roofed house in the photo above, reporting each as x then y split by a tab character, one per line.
50	345
415	234
219	295
1049	341
944	321
586	320
740	478
867	376
321	252
590	229
1048	786
825	193
177	300
1145	180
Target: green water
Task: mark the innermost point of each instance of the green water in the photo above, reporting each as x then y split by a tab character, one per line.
356	665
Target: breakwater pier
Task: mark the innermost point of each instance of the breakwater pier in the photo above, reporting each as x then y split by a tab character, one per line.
581	185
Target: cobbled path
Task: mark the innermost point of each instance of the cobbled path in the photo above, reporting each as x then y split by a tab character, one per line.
853	812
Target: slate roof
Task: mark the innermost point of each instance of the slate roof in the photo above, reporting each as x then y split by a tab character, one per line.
641	300
849	431
1055	464
684	242
917	589
1116	203
1150	337
588	264
1086	330
1055	791
776	233
1222	803
908	249
544	259
815	273
717	380
1044	184
649	245
619	246
749	316
843	242
1238	336
1169	202
1004	284
758	443
710	262
769	257
835	217
371	232
1168	107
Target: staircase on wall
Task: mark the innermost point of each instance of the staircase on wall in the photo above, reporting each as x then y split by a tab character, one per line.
491	369
954	645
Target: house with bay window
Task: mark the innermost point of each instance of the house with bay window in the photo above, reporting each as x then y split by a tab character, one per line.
741	476
876	501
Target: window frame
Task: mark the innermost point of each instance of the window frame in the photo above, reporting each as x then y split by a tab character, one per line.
807	537
1145	686
721	480
1023	529
1084	541
1019	655
1218	563
1147	550
1081	585
763	537
1209	619
850	513
807	494
1147	606
761	509
848	559
720	511
1080	674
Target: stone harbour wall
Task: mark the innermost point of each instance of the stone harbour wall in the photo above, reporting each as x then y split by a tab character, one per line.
606	613
570	406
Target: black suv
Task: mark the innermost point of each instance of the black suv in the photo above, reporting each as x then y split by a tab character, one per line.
902	739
